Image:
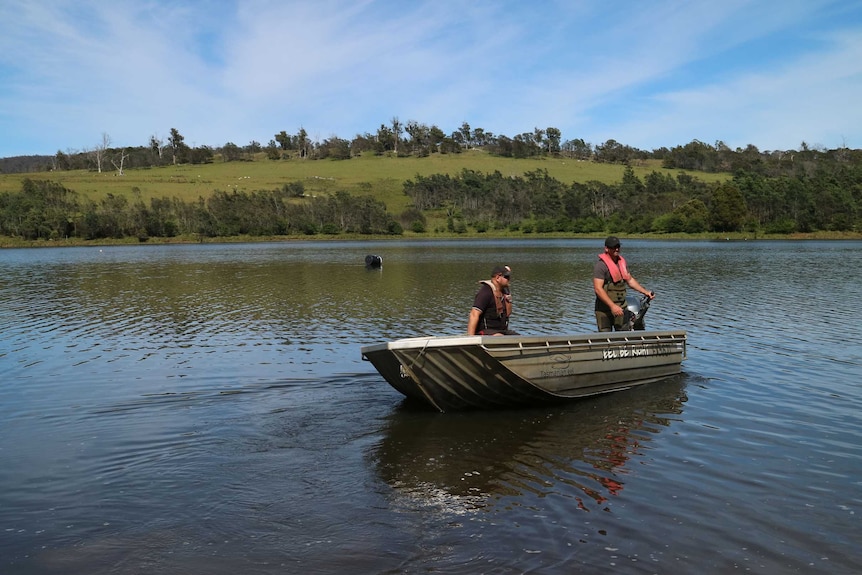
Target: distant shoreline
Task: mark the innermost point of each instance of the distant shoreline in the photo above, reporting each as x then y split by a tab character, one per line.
7	242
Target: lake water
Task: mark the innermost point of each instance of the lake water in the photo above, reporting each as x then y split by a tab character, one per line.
205	409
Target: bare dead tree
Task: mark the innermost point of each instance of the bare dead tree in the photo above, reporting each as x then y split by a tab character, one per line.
100	150
157	145
123	156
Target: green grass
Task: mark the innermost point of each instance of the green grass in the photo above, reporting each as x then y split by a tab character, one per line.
379	176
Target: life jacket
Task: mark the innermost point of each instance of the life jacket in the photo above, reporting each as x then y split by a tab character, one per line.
619	270
616	288
501	320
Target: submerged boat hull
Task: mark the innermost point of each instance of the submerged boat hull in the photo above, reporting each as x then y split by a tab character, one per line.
482	372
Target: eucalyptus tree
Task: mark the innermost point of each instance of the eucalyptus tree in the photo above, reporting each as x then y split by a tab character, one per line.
420	138
334	148
61	161
397	129
539	138
436	138
524	145
302	143
502	146
695	155
610	152
385	141
230	152
200	154
466	135
458	138
362	143
553	136
178	147
578	148
479	137
283	140
253	148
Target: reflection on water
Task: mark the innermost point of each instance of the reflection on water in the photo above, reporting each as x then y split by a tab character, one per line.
479	460
205	409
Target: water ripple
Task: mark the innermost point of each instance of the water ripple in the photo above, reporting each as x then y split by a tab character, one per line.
188	408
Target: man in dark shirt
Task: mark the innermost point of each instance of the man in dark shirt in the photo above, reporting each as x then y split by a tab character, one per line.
492	305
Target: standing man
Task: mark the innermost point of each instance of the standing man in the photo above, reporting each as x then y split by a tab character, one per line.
492	305
610	278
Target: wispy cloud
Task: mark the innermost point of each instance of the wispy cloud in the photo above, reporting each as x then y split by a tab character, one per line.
659	74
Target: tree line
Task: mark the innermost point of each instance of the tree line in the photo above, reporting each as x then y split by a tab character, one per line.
416	139
827	200
827	196
44	209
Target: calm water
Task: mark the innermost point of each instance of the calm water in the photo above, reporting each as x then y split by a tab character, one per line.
205	409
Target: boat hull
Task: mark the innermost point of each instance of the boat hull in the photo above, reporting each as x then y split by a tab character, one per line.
483	372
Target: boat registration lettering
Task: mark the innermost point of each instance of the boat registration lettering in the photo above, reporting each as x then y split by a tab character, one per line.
623	352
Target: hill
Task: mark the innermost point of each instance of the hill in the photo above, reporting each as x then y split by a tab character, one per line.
382	177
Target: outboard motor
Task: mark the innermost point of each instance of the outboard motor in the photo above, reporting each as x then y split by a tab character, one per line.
633	315
373	262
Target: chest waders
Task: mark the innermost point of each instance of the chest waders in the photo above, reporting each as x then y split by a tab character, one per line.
617	292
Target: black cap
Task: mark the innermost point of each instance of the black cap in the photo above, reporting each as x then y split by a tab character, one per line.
612	242
503	270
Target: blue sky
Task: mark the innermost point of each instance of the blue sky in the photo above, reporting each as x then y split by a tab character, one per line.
645	73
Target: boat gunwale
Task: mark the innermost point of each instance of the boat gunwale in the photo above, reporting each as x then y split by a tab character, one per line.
534	342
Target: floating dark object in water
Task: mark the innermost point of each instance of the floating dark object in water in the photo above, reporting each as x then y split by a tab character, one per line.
373	262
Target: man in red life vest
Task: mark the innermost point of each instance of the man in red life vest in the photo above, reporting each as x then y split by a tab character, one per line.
492	305
610	278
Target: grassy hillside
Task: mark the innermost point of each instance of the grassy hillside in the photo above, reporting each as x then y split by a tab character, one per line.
379	176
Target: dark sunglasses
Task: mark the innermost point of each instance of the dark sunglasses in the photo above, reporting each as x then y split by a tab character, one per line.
507	276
